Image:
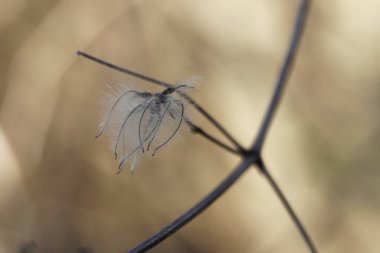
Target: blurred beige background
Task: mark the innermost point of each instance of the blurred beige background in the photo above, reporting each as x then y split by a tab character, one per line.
58	185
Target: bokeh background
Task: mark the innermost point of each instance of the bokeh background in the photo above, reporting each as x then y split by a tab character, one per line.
59	191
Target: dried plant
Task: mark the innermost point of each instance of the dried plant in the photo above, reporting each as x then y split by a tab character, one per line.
250	156
141	121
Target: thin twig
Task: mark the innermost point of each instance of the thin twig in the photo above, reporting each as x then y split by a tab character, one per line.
287	206
283	75
167	85
124	70
273	105
197	130
197	209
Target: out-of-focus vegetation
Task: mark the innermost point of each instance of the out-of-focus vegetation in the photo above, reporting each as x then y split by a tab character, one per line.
58	185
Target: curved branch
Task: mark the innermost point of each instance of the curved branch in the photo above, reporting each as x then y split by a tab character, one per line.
287	207
283	75
197	209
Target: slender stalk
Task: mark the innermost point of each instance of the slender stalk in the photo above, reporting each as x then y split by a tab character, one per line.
283	75
197	130
167	85
124	70
287	207
197	209
273	105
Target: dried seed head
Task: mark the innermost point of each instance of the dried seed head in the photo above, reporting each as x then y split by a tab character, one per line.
141	122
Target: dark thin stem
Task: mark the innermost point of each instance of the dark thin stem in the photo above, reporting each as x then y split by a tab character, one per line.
273	105
283	75
123	70
167	85
197	130
197	209
214	122
288	207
